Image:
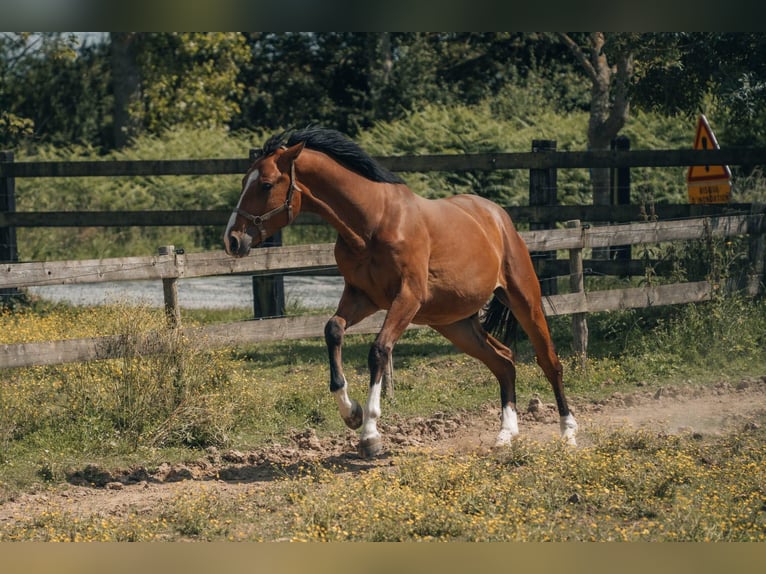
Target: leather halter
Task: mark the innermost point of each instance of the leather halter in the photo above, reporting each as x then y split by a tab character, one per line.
259	220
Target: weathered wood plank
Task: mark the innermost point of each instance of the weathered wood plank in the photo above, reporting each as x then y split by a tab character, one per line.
250	332
269	259
637	297
208	337
87	271
320	256
638	233
257	331
423	163
219	217
51	352
109	168
158	218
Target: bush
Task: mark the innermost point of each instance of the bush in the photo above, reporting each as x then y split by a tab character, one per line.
162	391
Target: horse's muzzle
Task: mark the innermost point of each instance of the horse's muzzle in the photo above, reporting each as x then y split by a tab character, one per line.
237	243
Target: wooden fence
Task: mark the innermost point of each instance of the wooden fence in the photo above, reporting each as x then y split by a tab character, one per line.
171	266
542	211
540	159
310	258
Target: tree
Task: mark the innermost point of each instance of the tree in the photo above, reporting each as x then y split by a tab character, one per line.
161	80
126	86
725	70
51	88
345	80
609	103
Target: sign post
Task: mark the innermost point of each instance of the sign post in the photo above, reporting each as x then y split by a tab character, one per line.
708	183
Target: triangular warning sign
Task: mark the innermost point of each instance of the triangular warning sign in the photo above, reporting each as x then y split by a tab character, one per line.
706	140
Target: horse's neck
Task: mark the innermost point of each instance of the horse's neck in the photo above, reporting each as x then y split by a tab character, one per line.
348	202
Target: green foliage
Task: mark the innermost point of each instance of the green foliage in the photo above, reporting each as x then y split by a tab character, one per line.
56	89
50	89
130	193
509	122
162	391
505	123
190	80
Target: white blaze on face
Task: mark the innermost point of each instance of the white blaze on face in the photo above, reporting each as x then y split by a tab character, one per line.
250	179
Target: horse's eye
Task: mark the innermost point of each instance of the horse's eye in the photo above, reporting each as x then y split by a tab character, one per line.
266	186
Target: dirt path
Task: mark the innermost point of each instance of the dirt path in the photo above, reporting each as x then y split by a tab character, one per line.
93	490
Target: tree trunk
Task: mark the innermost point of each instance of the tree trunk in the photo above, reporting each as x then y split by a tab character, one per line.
609	107
126	82
609	104
380	66
600	109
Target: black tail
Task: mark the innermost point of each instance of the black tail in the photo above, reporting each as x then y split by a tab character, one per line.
500	322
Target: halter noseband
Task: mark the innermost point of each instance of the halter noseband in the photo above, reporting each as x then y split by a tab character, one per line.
259	220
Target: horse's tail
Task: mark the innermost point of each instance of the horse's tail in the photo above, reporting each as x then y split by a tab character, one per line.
499	321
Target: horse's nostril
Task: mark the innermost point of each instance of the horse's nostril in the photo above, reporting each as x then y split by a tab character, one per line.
233	244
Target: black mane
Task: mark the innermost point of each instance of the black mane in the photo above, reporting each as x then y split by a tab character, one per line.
337	146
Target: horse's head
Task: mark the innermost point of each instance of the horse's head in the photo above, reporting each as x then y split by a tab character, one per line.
270	200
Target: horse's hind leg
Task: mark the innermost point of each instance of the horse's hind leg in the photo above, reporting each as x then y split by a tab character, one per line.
528	309
469	336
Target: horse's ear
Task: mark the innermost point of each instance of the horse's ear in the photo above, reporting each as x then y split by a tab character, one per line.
294	151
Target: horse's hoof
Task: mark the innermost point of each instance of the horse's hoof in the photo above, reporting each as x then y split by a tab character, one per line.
504	438
370	447
354	420
569	430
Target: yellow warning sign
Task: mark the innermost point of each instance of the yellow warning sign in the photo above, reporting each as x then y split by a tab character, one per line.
708	183
710	192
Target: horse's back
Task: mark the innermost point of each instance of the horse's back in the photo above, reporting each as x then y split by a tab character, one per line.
473	218
481	208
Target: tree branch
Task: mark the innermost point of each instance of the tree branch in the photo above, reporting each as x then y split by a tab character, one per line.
579	55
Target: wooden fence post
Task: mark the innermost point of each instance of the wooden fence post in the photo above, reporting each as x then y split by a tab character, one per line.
543	191
268	290
577	285
8	249
620	195
757	251
170	292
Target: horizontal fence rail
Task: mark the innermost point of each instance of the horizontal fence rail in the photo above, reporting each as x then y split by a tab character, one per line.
660	223
435	162
320	256
219	217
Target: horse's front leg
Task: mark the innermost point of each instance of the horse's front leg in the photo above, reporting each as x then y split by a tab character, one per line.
350	410
397	320
353	307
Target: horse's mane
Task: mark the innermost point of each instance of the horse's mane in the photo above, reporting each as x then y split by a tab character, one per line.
337	146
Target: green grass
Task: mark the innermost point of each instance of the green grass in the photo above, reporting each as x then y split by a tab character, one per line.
629	486
167	408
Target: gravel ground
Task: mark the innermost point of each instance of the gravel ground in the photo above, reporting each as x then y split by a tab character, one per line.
200	293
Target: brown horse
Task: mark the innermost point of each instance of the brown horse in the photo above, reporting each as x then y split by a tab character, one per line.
432	262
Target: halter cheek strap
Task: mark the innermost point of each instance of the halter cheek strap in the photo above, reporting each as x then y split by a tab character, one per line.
259	220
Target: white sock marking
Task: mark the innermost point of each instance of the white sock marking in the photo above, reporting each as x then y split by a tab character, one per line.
371	413
345	404
509	426
568	426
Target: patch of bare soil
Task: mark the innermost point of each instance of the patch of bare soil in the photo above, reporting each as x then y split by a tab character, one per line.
95	490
